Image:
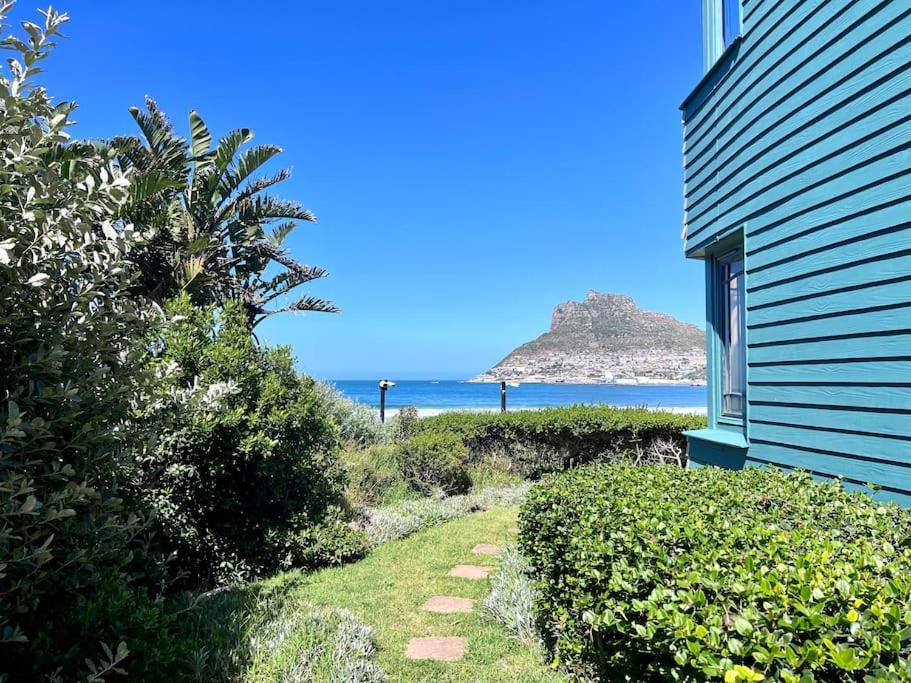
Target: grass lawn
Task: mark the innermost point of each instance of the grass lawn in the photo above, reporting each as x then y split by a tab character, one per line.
387	589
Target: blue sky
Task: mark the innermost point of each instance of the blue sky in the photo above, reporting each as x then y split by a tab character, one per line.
472	163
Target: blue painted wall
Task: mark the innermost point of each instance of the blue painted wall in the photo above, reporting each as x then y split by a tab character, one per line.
800	137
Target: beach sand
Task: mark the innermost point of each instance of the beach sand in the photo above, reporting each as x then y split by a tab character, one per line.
429	412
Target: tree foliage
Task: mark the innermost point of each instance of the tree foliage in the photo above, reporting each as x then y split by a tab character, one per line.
218	233
70	370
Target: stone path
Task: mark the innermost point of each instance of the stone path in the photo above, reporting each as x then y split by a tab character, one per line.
438	649
470	571
485	549
450	648
444	604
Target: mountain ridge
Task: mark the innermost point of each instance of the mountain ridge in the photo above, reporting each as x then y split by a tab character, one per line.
607	338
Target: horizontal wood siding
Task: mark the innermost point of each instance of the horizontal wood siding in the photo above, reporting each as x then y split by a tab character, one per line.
804	144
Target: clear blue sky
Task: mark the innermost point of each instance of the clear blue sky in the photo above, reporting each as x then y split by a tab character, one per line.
472	163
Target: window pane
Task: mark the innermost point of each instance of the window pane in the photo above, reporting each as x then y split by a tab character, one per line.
734	350
731	18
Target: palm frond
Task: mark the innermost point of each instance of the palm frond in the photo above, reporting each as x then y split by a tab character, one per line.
251	189
248	163
200	138
228	147
280	232
264	209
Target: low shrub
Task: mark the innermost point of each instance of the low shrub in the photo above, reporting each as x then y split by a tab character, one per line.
266	633
404	424
396	521
535	442
510	601
434	463
374	477
659	573
358	424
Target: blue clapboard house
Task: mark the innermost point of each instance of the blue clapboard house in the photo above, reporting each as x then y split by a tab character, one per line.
798	199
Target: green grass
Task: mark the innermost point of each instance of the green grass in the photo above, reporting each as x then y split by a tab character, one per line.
386	590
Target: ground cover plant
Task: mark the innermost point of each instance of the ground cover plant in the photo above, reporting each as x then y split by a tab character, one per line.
405	517
659	573
510	601
265	632
534	442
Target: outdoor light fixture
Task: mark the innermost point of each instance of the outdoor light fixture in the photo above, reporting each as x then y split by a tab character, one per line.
503	385
384	384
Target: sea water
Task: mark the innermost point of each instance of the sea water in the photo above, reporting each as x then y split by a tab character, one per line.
431	396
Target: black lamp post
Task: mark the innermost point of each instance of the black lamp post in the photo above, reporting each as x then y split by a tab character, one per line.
503	385
384	384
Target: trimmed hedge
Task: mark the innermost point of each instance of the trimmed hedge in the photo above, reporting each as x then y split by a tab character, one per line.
536	442
658	573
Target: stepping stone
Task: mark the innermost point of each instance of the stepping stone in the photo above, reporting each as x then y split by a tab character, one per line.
485	549
470	571
444	604
448	649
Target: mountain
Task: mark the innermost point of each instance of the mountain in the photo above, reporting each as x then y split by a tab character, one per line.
607	338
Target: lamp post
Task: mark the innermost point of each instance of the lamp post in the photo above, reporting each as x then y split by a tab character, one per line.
384	384
503	385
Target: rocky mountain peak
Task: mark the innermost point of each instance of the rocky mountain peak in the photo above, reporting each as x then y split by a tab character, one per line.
607	337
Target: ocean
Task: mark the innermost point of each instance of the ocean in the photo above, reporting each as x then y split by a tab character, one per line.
431	397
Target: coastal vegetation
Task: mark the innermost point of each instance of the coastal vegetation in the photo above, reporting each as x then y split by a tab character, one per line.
532	443
179	503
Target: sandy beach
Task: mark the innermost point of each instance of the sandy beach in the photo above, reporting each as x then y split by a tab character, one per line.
429	412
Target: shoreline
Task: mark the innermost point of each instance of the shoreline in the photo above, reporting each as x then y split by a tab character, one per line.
432	411
581	381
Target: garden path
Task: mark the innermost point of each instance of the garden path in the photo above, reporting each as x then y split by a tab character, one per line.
393	587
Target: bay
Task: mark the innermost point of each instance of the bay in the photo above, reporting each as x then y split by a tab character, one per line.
431	396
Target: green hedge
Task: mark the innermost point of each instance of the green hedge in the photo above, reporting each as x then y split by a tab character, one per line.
659	573
539	441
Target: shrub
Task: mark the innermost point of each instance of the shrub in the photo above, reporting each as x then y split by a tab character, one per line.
404	424
434	463
510	601
70	367
406	517
359	425
374	477
243	471
535	442
659	573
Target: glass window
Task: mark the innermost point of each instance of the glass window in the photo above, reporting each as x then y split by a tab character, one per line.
732	328
731	20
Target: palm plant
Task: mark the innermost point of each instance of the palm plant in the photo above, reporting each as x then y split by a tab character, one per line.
216	231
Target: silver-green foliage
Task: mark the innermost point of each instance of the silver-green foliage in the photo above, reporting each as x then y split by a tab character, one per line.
402	519
359	426
266	633
68	358
510	601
